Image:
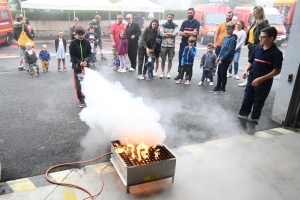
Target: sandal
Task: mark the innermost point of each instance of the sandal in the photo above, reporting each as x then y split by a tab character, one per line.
103	58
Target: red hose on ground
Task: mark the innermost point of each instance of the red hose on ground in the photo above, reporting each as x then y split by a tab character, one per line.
69	184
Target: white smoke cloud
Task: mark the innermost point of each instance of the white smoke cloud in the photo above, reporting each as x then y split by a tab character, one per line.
117	113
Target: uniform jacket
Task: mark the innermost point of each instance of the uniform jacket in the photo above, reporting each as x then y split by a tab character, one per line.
228	48
188	55
168	28
80	51
57	43
44	55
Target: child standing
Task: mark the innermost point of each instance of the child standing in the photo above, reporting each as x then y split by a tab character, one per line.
187	60
208	62
31	60
157	51
225	58
150	64
44	57
61	49
93	51
122	50
80	52
264	63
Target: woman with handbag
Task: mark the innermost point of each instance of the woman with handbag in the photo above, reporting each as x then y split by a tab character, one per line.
259	22
21	28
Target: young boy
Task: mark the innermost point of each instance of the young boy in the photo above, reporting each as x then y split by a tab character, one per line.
44	57
31	60
225	58
93	50
264	63
150	64
92	34
80	53
187	60
208	62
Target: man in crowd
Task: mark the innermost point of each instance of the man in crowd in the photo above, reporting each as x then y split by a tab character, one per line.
189	27
96	23
114	34
140	21
168	31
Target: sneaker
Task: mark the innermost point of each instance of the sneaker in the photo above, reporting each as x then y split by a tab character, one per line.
250	128
187	82
243	84
154	73
141	77
65	70
215	89
211	83
223	91
178	81
37	74
207	80
162	75
20	68
82	104
229	75
123	70
177	77
116	68
131	69
119	70
237	77
59	70
200	83
31	76
168	75
148	79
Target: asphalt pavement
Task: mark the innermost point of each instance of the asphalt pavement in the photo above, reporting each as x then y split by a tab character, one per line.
40	125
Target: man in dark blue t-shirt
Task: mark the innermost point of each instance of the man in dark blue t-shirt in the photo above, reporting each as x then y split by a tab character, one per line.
189	27
264	63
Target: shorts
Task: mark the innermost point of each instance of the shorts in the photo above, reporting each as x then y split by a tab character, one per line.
156	53
100	43
167	51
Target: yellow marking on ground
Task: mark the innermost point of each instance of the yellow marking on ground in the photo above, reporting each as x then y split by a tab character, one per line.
282	130
21	185
99	168
217	143
245	139
60	176
193	149
263	134
69	194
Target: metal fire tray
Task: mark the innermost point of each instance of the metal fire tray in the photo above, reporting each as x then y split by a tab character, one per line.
143	172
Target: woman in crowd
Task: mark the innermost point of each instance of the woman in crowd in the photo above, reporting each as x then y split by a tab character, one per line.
29	27
133	33
17	32
146	42
259	22
241	36
72	29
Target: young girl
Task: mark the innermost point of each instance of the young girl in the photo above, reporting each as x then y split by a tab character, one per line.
61	48
122	50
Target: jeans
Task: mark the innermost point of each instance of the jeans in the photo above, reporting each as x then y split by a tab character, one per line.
150	71
222	75
190	70
236	58
207	73
22	51
182	46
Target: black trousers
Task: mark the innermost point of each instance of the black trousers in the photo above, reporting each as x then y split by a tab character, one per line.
142	60
251	47
132	54
222	75
254	98
181	48
186	68
78	77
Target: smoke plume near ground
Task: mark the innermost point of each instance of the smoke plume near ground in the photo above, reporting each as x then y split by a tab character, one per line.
115	113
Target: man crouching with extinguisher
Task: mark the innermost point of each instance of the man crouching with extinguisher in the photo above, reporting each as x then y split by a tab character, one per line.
80	52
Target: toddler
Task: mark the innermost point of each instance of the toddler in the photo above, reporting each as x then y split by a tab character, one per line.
44	57
208	63
31	60
94	51
150	64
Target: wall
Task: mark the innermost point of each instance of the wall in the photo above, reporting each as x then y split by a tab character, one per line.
50	28
290	66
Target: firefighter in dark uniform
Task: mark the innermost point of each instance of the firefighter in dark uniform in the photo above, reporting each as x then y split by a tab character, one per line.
264	63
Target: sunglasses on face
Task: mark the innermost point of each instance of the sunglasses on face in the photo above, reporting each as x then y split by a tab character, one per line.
128	18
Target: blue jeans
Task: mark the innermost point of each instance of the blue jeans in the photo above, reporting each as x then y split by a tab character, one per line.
22	51
236	62
150	71
207	73
218	50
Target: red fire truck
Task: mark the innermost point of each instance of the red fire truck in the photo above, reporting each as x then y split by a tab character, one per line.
287	9
6	23
210	16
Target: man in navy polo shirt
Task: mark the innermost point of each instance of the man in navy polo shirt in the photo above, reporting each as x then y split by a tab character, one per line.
264	63
189	27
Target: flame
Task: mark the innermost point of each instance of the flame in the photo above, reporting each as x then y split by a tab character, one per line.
139	152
